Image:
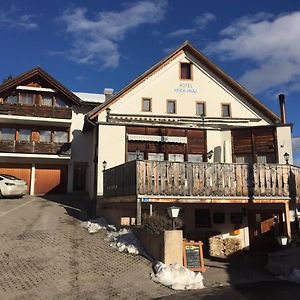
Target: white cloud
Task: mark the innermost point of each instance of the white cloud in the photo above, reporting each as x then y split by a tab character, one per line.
203	20
95	40
12	19
200	23
271	43
182	32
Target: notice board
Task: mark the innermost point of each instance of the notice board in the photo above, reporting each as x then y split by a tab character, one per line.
193	256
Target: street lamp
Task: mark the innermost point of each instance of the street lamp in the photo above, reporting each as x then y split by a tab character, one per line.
104	164
173	212
286	157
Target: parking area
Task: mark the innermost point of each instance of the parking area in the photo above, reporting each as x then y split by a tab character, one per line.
46	254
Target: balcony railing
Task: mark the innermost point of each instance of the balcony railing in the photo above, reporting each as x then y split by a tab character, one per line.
154	178
62	149
36	111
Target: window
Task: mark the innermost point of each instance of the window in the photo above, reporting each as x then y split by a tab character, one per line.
226	111
156	156
171	106
176	157
47	100
45	136
195	158
219	217
185	71
25	135
136	155
202	218
266	158
146	104
7	134
26	99
244	159
13	99
60	103
200	109
61	137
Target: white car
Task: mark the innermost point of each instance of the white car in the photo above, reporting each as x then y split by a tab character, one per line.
12	186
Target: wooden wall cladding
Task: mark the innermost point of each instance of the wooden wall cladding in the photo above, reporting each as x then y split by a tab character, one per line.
254	140
242	141
196	140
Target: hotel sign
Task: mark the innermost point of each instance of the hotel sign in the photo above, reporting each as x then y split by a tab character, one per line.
185	88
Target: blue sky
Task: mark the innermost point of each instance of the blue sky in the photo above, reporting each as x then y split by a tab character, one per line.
89	45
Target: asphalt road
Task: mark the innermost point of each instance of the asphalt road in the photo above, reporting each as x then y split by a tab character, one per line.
262	291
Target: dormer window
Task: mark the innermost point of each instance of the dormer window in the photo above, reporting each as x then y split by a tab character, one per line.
26	98
185	71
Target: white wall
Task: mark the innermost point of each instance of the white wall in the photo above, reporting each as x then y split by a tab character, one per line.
284	141
111	148
220	143
82	148
165	84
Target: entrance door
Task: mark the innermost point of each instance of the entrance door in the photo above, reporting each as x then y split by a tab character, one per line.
264	227
79	177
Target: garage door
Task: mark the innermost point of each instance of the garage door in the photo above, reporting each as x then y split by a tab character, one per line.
21	171
50	179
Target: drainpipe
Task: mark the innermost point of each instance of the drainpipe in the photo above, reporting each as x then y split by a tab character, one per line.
282	108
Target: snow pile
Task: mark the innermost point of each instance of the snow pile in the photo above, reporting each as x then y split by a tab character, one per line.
294	276
95	225
177	277
123	240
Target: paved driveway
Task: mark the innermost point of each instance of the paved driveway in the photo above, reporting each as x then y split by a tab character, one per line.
45	254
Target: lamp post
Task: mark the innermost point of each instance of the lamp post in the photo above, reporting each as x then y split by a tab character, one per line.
104	164
286	157
173	212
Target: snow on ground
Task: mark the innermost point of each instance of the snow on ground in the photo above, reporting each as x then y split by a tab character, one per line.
294	276
177	277
174	276
123	240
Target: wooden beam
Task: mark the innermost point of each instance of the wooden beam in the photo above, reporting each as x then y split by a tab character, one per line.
287	220
119	199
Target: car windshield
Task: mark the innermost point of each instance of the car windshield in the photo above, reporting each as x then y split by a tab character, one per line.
10	177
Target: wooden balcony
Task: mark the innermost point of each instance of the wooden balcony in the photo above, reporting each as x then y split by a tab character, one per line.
154	179
62	149
36	111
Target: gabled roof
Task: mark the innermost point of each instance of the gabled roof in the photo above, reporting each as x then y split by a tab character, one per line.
187	47
44	75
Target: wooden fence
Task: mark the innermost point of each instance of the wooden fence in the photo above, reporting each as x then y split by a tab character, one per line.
202	179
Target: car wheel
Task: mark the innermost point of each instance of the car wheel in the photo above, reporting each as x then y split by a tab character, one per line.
1	196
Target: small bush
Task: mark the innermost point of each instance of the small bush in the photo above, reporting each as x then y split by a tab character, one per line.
157	224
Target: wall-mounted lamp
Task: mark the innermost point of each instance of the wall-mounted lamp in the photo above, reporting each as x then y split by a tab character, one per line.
173	212
286	157
104	164
137	154
210	154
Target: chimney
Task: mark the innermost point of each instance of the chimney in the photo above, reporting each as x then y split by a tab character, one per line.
108	93
282	108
